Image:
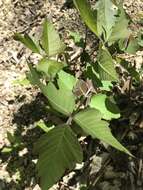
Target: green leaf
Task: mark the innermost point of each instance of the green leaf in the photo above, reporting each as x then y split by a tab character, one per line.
87	14
106	17
120	29
22	81
49	67
106	106
7	150
106	66
106	85
28	42
10	137
77	38
41	124
58	150
33	76
133	46
90	121
140	38
60	99
91	73
50	40
66	80
129	45
14	140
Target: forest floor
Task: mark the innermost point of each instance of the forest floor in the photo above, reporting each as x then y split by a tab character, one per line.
21	107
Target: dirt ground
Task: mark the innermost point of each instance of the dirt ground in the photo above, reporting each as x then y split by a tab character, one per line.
21	107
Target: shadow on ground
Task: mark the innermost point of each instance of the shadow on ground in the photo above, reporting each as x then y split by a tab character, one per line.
20	159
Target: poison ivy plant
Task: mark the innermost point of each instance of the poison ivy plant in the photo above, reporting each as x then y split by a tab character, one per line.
106	66
28	42
106	85
106	17
61	99
129	45
105	105
87	14
59	150
84	105
49	67
120	30
41	124
15	144
90	121
66	81
50	40
140	38
77	38
23	81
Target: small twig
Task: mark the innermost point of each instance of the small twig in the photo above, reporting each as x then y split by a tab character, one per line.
66	58
85	40
76	55
69	121
130	86
102	171
140	169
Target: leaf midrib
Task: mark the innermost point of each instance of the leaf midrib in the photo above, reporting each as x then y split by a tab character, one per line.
106	71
